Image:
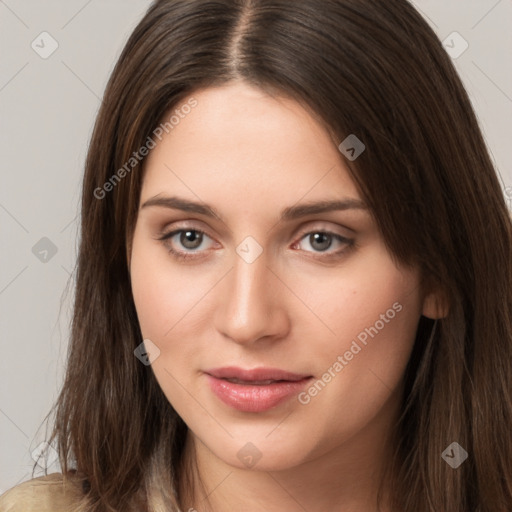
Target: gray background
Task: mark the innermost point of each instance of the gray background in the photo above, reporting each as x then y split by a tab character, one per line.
47	110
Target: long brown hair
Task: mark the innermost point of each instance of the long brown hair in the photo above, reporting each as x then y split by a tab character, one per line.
364	67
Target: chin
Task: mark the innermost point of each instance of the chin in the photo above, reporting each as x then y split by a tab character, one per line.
259	451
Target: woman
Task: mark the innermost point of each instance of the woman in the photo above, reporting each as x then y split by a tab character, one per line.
294	279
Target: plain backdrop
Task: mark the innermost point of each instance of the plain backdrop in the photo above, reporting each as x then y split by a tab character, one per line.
48	104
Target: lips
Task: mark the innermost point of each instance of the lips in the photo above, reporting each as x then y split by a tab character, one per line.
256	375
254	390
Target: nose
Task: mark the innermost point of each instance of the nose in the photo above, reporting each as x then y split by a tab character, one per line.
252	304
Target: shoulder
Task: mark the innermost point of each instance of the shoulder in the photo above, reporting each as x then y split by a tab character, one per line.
47	493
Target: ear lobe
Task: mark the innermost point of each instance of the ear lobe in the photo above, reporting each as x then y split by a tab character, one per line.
435	305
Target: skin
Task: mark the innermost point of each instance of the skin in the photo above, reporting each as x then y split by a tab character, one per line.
296	307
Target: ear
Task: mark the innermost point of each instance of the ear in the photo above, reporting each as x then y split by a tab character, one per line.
436	305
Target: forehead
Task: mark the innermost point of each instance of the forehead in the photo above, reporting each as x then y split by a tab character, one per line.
239	146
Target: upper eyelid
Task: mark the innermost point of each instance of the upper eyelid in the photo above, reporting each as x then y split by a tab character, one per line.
309	228
307	231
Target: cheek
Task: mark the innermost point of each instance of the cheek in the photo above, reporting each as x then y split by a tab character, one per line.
373	313
370	299
167	301
164	294
152	303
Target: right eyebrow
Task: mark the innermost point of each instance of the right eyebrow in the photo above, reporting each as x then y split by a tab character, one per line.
178	203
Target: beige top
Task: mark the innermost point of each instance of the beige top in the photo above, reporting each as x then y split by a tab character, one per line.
43	494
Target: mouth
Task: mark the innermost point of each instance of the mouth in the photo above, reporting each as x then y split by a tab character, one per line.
254	382
255	390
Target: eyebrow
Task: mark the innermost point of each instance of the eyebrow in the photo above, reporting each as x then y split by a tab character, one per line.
289	213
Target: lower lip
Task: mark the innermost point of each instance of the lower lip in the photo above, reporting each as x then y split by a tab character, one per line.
254	398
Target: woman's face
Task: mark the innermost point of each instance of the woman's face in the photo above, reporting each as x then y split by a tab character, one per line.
308	297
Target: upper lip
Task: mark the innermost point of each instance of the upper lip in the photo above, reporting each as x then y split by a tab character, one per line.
255	374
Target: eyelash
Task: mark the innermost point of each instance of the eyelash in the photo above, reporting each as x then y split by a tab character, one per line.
188	256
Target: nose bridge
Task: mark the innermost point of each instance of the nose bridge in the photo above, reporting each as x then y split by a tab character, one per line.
250	308
249	286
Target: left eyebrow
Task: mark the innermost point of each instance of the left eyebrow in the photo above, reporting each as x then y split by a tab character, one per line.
290	213
302	210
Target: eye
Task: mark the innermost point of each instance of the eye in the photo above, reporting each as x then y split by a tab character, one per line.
188	243
191	240
322	241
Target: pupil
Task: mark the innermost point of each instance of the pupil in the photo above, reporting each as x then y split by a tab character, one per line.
190	239
323	239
